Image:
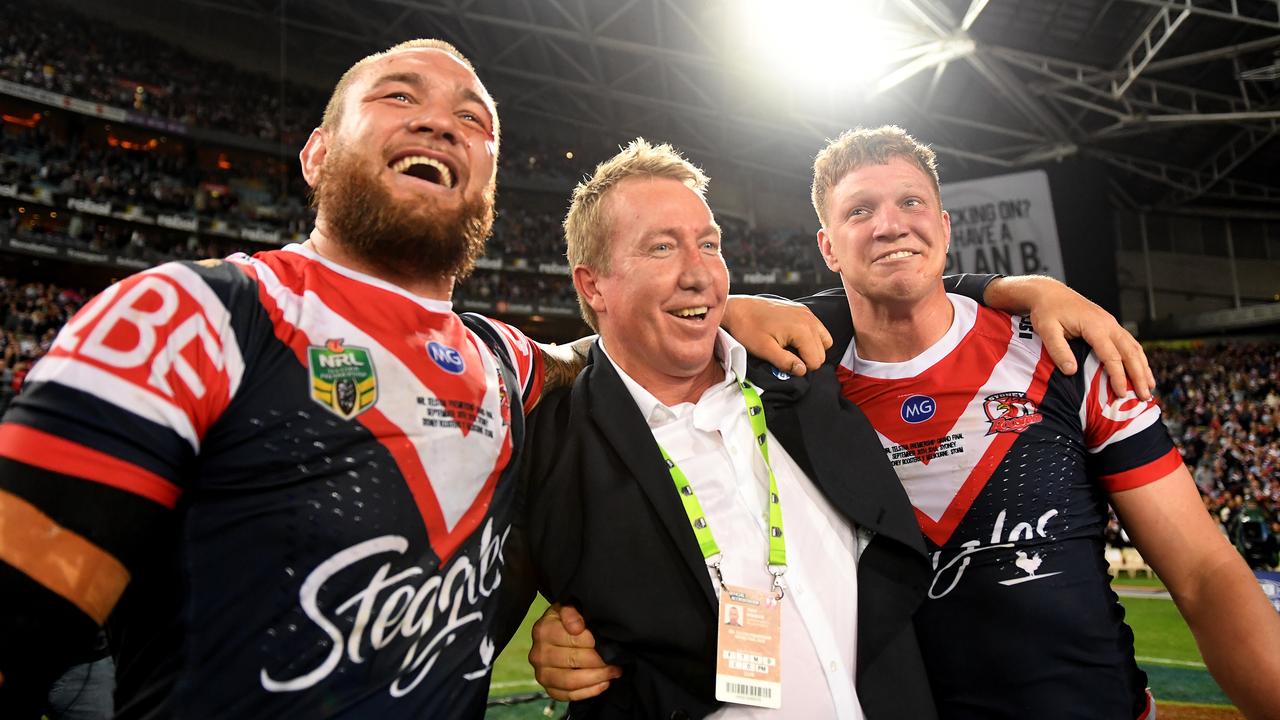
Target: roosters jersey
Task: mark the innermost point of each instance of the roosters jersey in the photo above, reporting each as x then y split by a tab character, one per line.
337	456
1008	464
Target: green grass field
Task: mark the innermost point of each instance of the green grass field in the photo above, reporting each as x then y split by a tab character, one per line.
1165	650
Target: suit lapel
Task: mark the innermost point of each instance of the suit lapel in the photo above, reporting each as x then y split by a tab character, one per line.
839	450
614	412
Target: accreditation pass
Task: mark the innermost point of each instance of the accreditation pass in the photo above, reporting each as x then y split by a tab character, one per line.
748	648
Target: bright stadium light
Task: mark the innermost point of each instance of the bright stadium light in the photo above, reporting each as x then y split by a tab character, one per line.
836	45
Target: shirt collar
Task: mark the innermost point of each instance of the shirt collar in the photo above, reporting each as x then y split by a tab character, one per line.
730	353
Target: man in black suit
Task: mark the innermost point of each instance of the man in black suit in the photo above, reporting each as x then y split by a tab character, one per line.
606	524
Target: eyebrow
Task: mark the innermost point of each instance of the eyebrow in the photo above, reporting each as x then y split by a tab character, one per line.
408	78
712	229
415	80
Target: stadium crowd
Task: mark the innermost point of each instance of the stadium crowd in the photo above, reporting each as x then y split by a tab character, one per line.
53	48
33	314
1222	404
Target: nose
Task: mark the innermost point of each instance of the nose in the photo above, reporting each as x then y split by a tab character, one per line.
436	121
889	223
695	271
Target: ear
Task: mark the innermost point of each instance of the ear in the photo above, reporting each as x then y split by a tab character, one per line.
586	282
312	155
946	227
828	255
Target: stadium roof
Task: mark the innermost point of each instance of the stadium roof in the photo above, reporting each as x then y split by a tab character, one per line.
1179	97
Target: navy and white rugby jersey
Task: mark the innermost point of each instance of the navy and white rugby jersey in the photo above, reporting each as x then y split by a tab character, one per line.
1008	464
336	453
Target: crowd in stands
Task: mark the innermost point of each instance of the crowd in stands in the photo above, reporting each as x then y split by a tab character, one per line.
54	48
33	314
155	181
58	49
498	289
1222	405
97	235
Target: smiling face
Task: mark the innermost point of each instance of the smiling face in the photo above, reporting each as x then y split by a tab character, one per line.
405	178
886	233
659	307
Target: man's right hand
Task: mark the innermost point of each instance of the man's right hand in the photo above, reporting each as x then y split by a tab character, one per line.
564	658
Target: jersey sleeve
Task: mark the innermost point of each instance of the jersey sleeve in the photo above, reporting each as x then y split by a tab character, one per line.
1126	439
133	382
524	354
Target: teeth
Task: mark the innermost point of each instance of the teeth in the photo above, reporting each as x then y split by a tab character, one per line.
446	177
690	312
898	255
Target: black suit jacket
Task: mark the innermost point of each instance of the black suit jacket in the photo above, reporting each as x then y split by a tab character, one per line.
607	533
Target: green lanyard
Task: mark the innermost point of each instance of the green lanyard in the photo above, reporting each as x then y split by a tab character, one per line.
777	564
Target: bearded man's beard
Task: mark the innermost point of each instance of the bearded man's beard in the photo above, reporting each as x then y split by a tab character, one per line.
412	242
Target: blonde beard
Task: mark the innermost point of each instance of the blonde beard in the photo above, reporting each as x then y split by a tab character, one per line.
413	243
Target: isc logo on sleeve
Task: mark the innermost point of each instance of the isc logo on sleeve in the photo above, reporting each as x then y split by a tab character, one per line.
918	408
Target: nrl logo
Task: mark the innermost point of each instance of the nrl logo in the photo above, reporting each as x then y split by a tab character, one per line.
1010	412
342	378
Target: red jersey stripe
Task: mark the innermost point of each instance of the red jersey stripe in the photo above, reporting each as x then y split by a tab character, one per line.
50	452
1143	474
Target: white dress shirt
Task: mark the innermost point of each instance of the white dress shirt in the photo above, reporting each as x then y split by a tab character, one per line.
713	444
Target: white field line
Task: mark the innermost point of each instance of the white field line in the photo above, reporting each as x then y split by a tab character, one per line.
1169	661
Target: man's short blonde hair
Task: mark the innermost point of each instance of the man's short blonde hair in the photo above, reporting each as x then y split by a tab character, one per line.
867	146
333	109
586	226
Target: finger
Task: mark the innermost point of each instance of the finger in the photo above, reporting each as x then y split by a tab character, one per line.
552	634
573	621
547	655
1055	342
812	352
1138	369
575	695
781	358
567	680
1113	363
827	340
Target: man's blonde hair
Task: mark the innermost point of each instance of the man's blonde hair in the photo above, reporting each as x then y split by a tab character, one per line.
586	226
867	146
333	109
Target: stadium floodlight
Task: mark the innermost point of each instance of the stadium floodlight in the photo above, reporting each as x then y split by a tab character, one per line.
835	45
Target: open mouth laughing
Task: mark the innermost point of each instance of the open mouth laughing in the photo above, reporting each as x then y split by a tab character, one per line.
695	314
425	168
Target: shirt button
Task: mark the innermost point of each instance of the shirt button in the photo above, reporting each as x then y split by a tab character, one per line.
832	666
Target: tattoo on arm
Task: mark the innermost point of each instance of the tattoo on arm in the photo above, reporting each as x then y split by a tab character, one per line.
563	362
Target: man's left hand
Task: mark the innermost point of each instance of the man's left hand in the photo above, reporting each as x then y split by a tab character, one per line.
564	658
1059	313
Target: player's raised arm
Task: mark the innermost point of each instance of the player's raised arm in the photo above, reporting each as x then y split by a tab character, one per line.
1235	626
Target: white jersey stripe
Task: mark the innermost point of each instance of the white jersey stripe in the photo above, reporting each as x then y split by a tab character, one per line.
127	396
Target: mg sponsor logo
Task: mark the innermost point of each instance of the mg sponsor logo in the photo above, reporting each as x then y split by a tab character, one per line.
446	358
918	408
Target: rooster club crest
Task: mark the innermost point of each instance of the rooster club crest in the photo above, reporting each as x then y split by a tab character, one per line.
1010	412
342	378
